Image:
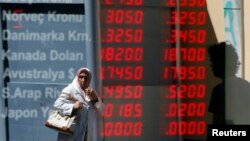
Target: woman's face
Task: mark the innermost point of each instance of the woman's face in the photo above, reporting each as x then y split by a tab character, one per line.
83	80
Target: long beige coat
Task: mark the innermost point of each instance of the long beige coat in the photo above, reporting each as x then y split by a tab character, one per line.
87	118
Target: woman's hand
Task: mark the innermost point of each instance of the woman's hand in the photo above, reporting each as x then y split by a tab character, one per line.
91	94
77	105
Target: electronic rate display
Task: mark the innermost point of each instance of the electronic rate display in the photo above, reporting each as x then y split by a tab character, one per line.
154	69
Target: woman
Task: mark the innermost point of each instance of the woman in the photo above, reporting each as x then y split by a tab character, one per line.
79	99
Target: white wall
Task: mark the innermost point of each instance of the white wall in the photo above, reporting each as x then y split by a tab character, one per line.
246	38
216	13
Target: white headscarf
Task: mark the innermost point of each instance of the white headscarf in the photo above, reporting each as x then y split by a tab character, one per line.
76	84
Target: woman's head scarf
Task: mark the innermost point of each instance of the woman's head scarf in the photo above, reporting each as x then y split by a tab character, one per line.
75	82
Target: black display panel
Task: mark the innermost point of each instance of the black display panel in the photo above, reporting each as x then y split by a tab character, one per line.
155	69
155	72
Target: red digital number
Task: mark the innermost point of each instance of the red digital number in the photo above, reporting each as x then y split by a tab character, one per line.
123	2
130	110
120	35
190	54
185	128
108	2
185	72
122	129
190	91
131	2
101	74
185	109
109	110
187	18
121	16
190	3
122	73
187	36
123	92
118	54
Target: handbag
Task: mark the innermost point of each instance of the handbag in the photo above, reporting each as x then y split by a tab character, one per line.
64	124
